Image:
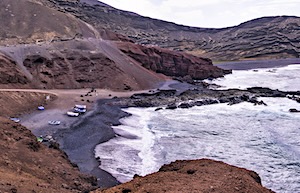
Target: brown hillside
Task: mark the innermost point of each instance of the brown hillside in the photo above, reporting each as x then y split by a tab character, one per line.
198	176
24	21
29	166
10	73
14	103
80	63
63	51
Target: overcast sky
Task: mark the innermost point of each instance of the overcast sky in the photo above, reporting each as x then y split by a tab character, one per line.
208	13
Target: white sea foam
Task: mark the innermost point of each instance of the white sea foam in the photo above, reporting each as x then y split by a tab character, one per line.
286	78
261	138
134	147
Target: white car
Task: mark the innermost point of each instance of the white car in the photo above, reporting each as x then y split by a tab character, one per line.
79	110
17	120
72	114
54	122
80	106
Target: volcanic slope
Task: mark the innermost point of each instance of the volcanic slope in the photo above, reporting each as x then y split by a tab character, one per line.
64	52
80	63
25	21
267	37
55	49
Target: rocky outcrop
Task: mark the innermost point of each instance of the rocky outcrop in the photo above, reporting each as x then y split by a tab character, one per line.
86	63
195	176
294	110
10	73
72	70
171	63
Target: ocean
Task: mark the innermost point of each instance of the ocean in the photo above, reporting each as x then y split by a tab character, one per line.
265	139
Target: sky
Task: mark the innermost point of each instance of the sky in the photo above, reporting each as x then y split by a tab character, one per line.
208	13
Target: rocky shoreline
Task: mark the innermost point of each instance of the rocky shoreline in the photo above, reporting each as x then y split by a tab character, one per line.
83	136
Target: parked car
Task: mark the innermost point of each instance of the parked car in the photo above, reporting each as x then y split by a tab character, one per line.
72	114
17	120
41	108
54	122
80	106
79	110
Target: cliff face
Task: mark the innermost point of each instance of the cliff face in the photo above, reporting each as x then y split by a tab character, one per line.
80	63
268	37
172	63
195	176
10	74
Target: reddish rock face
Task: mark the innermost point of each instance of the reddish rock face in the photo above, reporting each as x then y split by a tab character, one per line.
195	176
171	63
10	73
73	70
74	64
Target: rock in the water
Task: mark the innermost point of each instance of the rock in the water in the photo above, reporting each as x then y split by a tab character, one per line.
171	106
294	110
184	105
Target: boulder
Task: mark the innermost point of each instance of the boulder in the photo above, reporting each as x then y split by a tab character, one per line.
171	106
294	111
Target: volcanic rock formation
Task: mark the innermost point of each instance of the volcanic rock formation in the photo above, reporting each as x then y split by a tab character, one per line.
10	74
195	176
172	63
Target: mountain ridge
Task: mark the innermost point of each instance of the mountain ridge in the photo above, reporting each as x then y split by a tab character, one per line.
232	43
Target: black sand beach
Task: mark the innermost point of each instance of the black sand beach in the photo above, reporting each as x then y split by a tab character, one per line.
80	140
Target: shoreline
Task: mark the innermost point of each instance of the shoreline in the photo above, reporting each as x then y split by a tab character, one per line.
81	139
37	123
